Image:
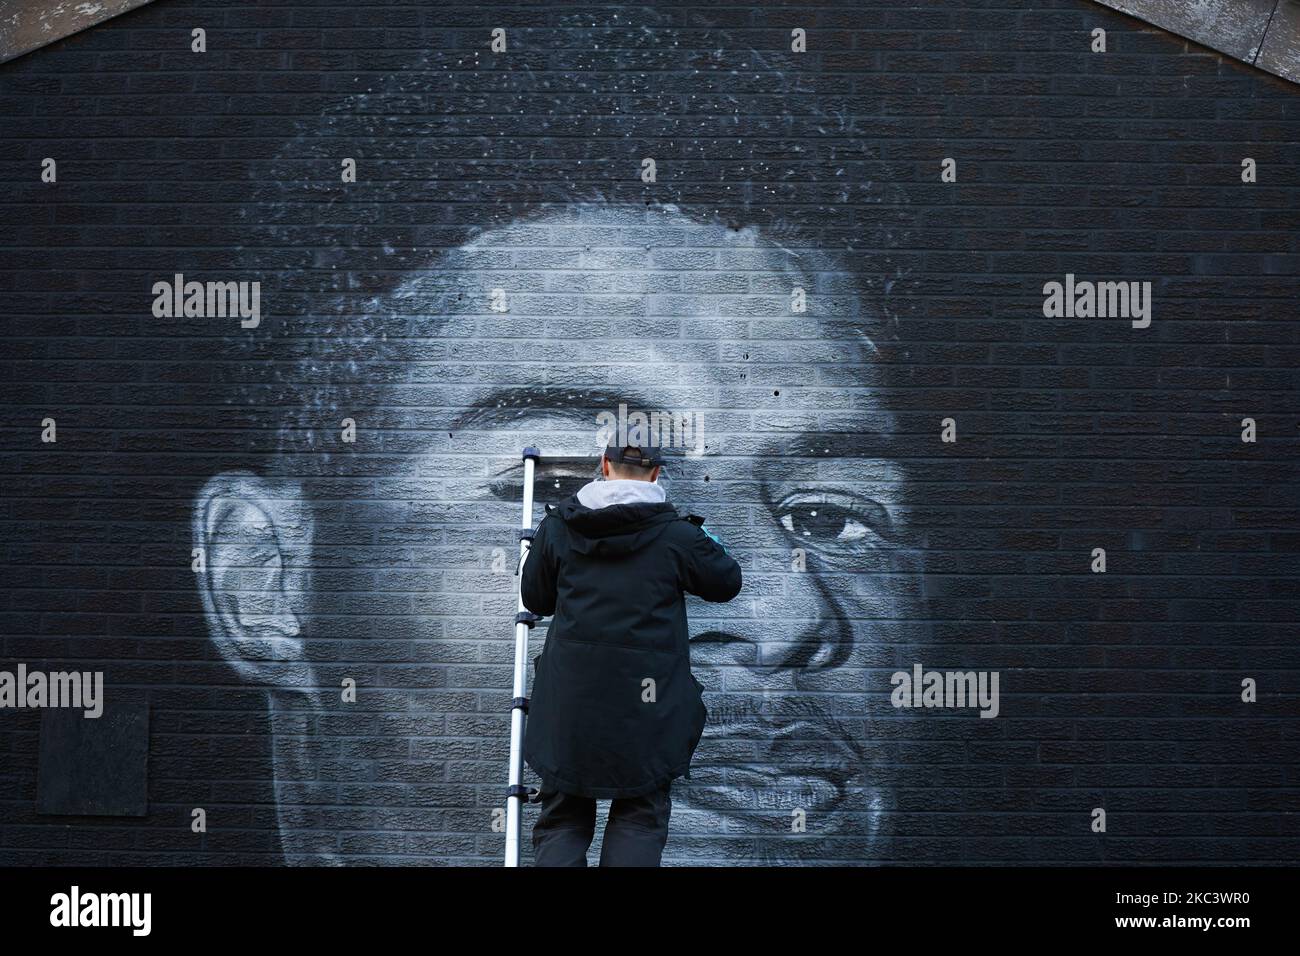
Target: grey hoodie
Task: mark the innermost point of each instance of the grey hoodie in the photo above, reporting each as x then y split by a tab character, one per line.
619	491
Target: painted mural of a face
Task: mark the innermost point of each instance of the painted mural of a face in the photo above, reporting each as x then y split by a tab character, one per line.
390	561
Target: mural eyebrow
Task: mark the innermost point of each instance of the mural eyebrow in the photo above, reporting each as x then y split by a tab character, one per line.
502	406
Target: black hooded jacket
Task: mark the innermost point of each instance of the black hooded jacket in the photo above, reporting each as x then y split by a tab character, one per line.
615	710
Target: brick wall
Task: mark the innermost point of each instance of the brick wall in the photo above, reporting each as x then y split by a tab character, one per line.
387	561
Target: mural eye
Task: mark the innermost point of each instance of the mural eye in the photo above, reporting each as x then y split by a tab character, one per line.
549	485
834	523
558	487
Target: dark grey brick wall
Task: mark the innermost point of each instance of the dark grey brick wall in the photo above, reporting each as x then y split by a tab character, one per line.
376	561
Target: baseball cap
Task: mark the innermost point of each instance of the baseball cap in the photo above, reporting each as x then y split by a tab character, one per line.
633	453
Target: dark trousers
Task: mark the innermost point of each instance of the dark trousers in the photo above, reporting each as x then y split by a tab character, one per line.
635	833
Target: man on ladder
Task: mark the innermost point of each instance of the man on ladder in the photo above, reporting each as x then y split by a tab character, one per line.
616	713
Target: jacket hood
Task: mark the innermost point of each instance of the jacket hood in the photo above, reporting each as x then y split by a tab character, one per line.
617	516
618	491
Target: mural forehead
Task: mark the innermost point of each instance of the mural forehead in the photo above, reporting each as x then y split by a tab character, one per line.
591	306
607	250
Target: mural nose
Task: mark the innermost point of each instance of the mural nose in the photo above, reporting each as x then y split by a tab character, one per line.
804	645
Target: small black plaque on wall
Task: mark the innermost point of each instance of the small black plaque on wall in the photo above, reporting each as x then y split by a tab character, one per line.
94	767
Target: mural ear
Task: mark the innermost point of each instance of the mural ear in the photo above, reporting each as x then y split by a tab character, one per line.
247	575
